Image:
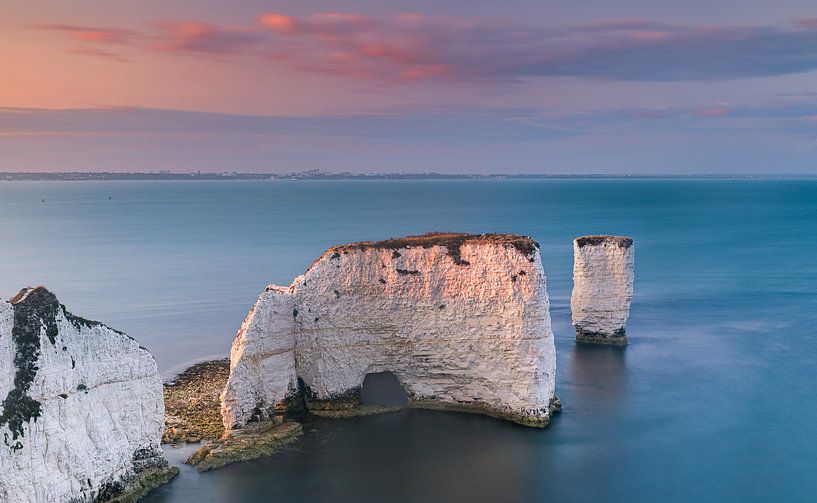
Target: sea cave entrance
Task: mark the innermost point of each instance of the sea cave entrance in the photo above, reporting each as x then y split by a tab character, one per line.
383	388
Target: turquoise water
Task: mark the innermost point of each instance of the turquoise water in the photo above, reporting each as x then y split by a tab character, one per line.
713	400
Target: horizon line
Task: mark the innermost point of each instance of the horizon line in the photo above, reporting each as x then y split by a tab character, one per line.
316	174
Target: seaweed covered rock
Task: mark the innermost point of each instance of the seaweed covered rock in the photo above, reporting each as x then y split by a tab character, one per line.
602	288
81	416
256	440
462	320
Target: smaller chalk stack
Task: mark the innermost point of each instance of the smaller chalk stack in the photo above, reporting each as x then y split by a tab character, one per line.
602	288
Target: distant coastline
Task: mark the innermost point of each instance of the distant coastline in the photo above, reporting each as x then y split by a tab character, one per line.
325	175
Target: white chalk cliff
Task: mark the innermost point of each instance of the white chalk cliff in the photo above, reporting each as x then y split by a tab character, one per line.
462	320
262	362
82	412
602	288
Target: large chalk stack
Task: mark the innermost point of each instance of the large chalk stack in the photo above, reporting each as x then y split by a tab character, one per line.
461	320
602	288
82	412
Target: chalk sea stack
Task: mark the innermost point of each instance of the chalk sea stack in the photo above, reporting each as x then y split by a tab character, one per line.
602	288
461	320
81	417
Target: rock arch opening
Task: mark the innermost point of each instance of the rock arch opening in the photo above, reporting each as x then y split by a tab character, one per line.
383	388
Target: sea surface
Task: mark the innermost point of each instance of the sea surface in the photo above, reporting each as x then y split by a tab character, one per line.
715	399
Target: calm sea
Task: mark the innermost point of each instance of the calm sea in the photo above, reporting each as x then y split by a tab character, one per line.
713	400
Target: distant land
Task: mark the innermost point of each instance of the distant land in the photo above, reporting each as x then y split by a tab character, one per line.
327	175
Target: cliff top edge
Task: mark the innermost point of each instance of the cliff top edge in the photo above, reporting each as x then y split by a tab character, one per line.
622	241
447	239
452	241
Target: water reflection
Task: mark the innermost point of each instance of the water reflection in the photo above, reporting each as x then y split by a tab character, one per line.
598	380
412	455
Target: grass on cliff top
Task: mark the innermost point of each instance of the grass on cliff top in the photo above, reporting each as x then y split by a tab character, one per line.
452	241
621	241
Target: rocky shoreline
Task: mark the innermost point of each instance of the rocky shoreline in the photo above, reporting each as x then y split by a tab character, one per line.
193	415
255	440
136	488
193	403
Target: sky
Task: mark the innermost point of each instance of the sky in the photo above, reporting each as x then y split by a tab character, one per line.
455	86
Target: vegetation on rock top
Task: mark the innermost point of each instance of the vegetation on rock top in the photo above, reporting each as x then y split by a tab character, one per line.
35	309
452	241
622	241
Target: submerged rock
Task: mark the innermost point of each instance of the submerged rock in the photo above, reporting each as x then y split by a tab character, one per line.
462	320
81	417
602	288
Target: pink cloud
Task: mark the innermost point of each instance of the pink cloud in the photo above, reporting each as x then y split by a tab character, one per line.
92	33
203	38
352	45
806	22
649	36
419	72
98	53
182	36
280	23
713	111
417	47
622	23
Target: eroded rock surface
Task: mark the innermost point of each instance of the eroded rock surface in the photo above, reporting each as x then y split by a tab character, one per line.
462	320
82	413
602	288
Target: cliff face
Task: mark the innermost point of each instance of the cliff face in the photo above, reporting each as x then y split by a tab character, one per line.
82	411
462	321
262	362
602	288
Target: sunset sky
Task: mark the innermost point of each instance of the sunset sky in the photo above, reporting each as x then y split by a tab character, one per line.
461	86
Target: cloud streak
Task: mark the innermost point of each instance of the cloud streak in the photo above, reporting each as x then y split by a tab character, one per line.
751	137
416	47
412	46
203	38
418	125
166	36
95	34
